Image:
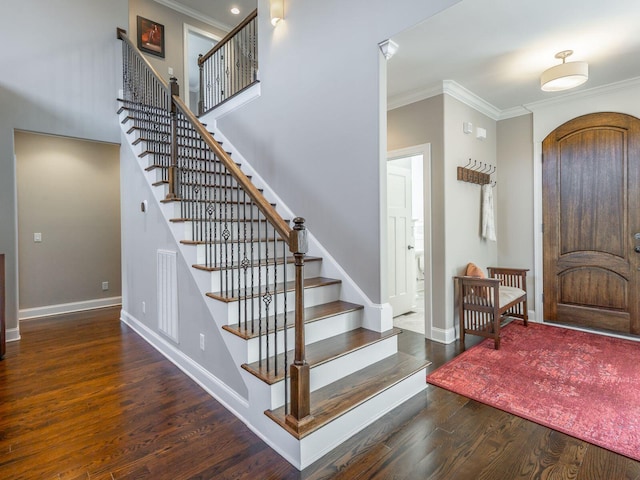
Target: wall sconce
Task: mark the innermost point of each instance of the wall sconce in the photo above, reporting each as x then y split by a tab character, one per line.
276	10
388	48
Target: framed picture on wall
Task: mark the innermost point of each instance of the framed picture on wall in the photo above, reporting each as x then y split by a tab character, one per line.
150	37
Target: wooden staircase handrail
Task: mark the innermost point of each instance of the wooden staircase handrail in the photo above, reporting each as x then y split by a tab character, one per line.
228	37
122	35
296	237
262	203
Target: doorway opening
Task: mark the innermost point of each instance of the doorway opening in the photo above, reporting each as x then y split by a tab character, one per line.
196	42
409	237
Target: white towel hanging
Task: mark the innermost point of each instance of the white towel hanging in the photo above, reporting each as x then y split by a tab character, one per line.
488	219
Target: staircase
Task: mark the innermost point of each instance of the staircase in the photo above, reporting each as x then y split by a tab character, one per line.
314	374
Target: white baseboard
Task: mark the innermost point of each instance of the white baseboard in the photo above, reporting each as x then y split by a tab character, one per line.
12	334
442	335
209	382
48	310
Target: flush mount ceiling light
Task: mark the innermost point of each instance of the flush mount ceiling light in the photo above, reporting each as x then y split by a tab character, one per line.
564	76
235	10
276	10
388	48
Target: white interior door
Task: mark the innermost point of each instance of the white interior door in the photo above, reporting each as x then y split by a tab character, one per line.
402	284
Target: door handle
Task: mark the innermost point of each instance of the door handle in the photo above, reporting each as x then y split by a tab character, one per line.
411	247
637	249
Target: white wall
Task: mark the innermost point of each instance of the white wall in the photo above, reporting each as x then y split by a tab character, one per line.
60	75
315	133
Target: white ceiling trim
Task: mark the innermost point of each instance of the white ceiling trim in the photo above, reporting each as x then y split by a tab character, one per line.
469	98
591	92
452	89
414	96
194	14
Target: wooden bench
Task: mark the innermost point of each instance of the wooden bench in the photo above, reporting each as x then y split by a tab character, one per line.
484	303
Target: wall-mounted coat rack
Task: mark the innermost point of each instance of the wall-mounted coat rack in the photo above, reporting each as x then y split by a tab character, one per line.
478	172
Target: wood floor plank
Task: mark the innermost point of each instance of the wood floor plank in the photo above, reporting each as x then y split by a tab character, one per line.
83	397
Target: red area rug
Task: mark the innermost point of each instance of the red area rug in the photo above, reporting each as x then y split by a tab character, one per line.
581	384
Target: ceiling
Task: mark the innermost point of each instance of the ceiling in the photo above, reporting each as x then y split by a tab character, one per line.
215	12
495	49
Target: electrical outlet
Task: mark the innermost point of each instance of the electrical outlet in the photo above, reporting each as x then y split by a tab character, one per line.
37	237
202	342
105	285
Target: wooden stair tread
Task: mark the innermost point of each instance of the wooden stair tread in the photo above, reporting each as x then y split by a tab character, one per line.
219	220
279	288
235	241
338	398
212	200
311	314
158	166
255	263
321	352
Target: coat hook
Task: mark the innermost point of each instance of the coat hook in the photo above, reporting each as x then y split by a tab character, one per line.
467	164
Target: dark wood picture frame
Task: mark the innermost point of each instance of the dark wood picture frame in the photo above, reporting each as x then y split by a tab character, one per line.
150	37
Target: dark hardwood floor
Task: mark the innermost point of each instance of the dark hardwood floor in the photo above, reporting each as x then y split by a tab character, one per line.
83	397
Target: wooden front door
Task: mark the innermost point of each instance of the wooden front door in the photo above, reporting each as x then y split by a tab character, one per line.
591	215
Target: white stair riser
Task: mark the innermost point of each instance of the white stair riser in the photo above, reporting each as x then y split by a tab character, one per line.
199	231
232	279
218	214
323	440
225	252
312	297
314	332
333	370
232	195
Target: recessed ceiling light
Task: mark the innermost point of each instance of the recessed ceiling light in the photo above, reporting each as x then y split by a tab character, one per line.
235	10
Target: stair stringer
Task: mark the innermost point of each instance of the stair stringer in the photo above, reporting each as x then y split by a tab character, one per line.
299	452
248	408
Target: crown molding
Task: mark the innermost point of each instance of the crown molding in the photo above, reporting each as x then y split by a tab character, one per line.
190	12
513	112
469	98
452	89
413	96
582	94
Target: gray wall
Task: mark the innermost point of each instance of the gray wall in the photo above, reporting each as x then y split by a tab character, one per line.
142	235
69	191
415	124
174	36
315	134
60	75
515	197
455	205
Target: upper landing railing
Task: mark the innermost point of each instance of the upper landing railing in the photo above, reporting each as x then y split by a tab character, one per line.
230	66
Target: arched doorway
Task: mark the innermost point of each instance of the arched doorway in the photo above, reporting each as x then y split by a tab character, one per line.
591	217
